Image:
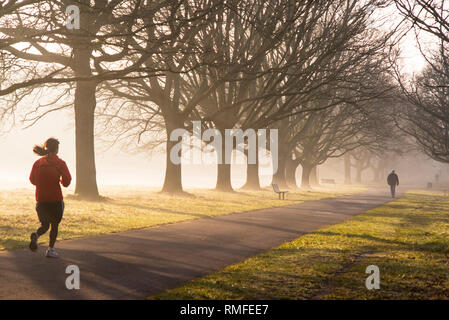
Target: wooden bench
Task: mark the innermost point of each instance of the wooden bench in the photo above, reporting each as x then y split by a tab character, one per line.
276	189
328	181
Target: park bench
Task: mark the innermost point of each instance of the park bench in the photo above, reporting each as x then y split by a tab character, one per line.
328	181
276	189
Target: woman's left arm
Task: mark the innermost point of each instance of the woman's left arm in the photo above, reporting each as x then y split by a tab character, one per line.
66	178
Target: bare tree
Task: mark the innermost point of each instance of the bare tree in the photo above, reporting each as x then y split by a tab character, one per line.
247	66
102	49
425	112
334	43
228	79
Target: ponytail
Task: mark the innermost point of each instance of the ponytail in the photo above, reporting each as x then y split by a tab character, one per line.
50	146
40	151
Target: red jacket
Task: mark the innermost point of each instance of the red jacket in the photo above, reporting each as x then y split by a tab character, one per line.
46	175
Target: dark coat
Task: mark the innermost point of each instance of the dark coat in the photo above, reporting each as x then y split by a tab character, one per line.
393	179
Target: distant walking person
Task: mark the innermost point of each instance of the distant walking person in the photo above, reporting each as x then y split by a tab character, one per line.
393	181
47	174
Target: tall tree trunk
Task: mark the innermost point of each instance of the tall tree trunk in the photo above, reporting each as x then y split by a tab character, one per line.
224	178
85	103
173	171
347	160
358	177
290	173
377	173
314	176
252	174
305	178
279	175
252	177
223	172
380	172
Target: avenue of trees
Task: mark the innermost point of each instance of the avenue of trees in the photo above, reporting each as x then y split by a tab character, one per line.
318	71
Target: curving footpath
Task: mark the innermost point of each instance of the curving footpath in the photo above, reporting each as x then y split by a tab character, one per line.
140	263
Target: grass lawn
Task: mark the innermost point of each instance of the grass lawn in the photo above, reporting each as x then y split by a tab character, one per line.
131	208
408	239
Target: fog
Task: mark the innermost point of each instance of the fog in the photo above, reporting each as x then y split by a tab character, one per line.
414	170
113	165
116	167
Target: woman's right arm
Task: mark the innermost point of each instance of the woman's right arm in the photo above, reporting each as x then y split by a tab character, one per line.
33	174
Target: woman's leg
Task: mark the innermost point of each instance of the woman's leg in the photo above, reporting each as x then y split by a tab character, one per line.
43	228
53	234
59	211
35	235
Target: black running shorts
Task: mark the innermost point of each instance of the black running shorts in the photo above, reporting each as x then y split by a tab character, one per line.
50	212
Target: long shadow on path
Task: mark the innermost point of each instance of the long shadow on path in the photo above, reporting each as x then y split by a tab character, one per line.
139	263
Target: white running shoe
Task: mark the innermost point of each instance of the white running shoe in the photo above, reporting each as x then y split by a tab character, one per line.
51	253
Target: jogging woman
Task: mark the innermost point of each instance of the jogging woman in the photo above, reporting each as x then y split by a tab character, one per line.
47	174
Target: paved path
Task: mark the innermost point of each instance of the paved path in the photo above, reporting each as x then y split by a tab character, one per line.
136	264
